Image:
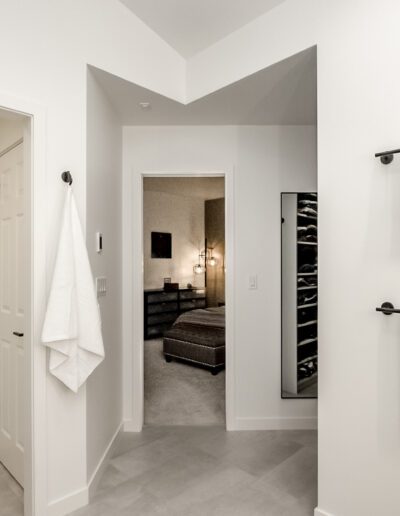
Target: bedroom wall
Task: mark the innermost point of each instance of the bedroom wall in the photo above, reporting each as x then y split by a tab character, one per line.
183	217
266	161
214	215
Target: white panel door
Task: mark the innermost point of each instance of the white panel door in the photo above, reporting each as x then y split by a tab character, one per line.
12	311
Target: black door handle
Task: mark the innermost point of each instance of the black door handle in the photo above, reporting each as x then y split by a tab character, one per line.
18	334
388	309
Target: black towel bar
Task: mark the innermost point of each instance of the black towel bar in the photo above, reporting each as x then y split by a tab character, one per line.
387	156
388	309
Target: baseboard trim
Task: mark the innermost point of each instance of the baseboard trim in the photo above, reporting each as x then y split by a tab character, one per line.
276	423
80	498
101	466
69	503
130	425
320	512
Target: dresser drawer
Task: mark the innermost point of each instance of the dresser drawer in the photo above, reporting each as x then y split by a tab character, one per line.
157	308
193	294
156	331
159	297
161	318
193	304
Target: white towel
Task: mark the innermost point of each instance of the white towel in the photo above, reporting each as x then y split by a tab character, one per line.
72	326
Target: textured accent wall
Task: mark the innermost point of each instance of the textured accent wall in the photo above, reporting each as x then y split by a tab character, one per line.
183	217
214	215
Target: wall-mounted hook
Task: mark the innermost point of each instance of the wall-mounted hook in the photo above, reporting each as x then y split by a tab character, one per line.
66	177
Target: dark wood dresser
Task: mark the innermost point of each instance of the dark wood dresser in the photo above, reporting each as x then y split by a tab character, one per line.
162	308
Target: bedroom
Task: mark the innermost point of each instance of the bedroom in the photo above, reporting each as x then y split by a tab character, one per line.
184	300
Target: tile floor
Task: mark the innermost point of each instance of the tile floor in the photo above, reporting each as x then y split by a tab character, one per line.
11	495
206	471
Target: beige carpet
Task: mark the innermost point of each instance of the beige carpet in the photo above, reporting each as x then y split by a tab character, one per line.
180	394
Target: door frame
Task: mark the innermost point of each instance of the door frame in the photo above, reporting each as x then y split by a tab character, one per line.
35	451
133	272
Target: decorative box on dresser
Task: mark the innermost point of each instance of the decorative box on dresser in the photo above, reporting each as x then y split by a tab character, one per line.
162	308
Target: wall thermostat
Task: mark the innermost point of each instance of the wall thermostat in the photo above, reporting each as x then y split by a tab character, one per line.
99	242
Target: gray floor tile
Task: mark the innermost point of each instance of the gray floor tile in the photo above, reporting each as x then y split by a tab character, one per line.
206	471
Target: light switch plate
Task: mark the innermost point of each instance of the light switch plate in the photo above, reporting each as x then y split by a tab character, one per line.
253	282
101	286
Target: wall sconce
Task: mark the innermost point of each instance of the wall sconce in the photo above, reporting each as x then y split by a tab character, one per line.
212	261
208	259
199	269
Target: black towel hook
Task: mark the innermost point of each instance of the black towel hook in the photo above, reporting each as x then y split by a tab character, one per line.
66	177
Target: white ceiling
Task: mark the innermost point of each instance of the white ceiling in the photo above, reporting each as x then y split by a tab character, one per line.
190	26
200	187
282	94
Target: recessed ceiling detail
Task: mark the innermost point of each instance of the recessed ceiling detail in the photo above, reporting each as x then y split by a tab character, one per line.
282	94
190	26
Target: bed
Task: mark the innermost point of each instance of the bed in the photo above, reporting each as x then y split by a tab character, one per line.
198	337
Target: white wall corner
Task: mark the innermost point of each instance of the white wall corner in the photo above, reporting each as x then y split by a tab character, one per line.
132	425
102	464
276	423
81	497
69	503
320	512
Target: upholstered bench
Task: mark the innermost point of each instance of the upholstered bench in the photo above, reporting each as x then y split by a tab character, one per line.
198	338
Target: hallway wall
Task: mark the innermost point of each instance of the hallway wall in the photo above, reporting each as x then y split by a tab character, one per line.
359	258
266	161
49	45
103	213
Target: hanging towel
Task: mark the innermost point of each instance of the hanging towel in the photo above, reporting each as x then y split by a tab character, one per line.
72	326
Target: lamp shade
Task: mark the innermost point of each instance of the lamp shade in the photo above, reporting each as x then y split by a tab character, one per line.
198	269
212	261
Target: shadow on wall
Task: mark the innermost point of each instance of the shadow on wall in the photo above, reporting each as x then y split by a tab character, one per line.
214	216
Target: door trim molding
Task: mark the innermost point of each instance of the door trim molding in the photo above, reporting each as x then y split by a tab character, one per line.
133	386
35	453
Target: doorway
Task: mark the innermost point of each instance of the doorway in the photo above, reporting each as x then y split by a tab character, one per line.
14	304
184	300
134	397
30	432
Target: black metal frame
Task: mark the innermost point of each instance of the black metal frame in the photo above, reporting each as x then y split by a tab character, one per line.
282	221
387	308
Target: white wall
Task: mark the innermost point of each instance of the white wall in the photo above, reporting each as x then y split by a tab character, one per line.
104	214
183	217
48	46
267	160
359	246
